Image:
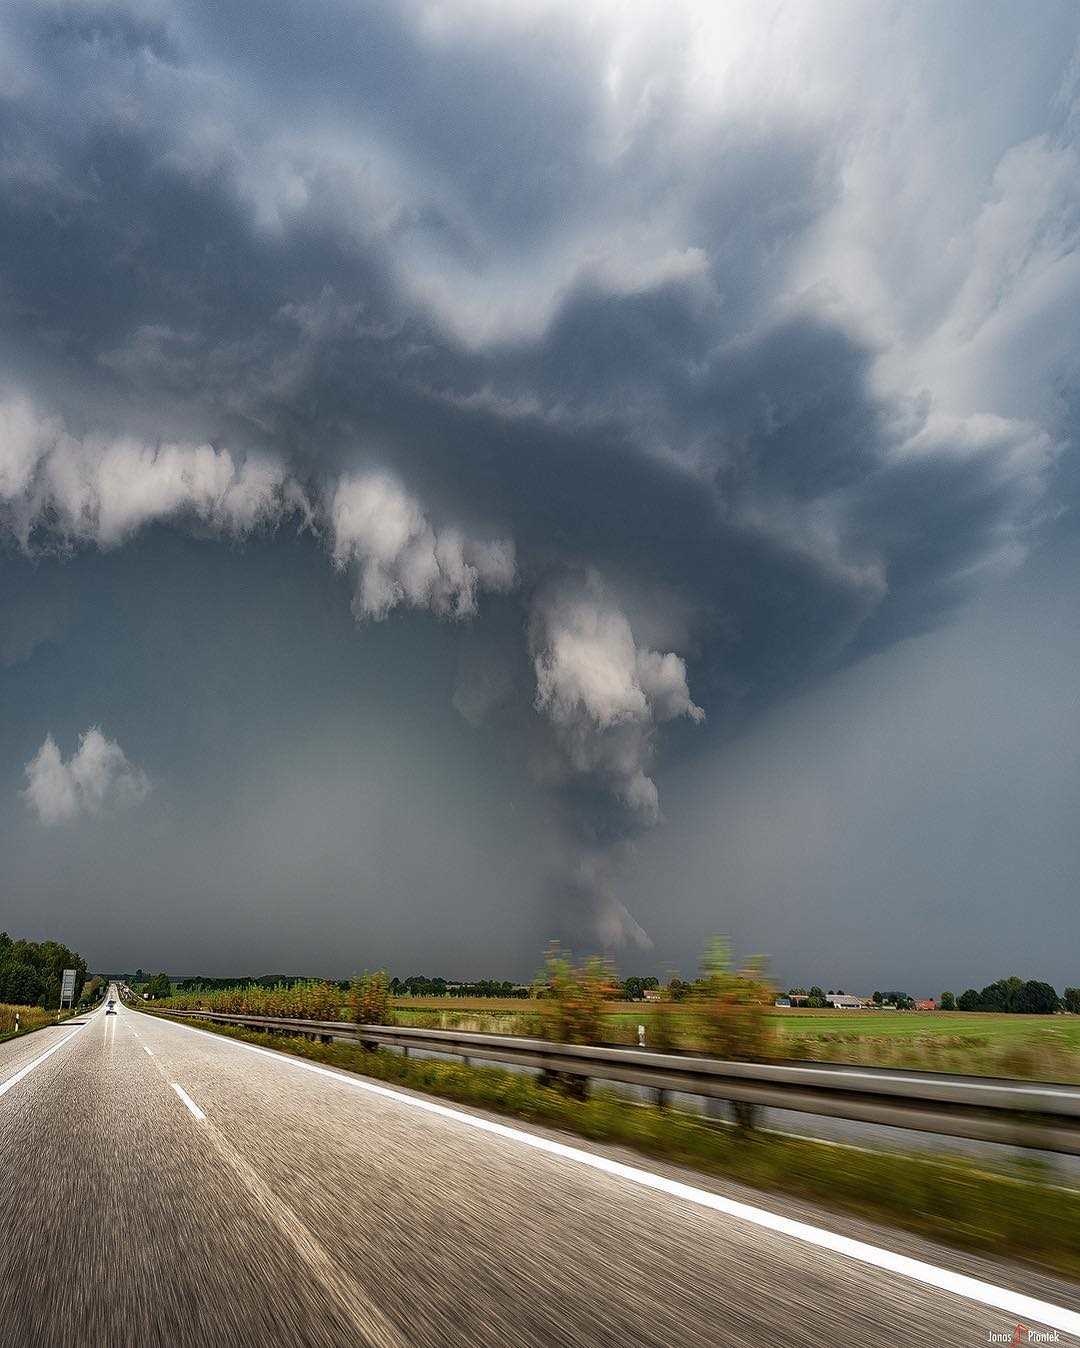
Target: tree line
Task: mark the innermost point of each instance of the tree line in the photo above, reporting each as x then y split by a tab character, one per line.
31	972
1030	997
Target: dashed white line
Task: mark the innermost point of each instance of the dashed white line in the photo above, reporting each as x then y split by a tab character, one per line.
187	1100
25	1071
149	1051
959	1284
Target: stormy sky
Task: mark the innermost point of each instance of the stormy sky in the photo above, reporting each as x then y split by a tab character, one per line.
473	474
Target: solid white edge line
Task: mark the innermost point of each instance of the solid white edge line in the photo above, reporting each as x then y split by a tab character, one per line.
25	1071
959	1284
188	1100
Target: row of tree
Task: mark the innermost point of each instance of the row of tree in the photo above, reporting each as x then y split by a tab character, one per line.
31	972
419	985
1029	997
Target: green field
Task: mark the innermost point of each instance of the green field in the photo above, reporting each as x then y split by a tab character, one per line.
984	1044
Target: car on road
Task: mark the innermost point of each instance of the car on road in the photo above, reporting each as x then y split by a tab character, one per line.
110	1009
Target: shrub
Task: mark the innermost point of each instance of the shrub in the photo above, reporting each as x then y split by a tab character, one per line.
312	1000
369	999
732	1011
732	1007
573	1011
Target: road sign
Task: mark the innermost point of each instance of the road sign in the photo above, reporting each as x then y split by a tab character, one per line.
67	987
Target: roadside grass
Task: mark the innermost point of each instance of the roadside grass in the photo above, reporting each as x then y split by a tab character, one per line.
30	1018
1018	1212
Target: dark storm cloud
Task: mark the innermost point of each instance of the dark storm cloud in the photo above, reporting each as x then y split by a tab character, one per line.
614	309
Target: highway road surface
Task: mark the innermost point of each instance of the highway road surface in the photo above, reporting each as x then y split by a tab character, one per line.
163	1186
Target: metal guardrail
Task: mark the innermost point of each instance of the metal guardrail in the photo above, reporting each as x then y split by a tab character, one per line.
1014	1113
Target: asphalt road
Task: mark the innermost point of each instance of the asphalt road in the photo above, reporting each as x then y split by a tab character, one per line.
160	1185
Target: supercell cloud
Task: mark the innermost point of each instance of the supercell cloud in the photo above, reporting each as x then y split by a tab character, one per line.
664	359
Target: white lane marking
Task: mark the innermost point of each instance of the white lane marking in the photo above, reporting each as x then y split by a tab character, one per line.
187	1100
25	1071
959	1284
150	1051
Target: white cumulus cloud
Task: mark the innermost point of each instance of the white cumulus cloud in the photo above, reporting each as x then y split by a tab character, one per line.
401	558
97	777
102	490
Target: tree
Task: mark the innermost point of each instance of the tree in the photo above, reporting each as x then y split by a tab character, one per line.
634	988
815	991
1002	995
1038	999
20	984
947	1002
1071	1000
877	999
679	989
158	986
969	1001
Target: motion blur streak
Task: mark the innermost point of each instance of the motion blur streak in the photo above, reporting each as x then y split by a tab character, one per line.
301	1212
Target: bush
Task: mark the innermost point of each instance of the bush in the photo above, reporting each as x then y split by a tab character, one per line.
311	1000
732	1011
369	999
732	1007
573	1010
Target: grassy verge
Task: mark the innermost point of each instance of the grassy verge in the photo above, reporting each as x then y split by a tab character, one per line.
30	1018
950	1200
